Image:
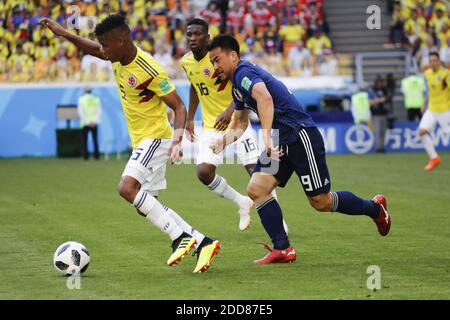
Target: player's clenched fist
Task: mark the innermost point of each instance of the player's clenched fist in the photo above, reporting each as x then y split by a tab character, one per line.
217	146
52	25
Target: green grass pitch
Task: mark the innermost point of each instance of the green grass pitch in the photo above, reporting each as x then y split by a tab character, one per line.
45	202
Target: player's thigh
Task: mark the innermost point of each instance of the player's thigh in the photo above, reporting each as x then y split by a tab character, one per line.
308	158
428	121
444	121
147	163
204	152
246	147
280	170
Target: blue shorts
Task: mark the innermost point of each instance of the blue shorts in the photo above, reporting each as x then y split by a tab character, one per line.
305	156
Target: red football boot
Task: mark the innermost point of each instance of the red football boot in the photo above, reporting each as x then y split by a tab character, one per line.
383	221
433	163
277	256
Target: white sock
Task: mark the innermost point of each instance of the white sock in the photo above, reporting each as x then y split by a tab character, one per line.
429	146
220	187
156	214
274	194
186	227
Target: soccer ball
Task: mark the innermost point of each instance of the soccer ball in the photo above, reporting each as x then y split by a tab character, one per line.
71	258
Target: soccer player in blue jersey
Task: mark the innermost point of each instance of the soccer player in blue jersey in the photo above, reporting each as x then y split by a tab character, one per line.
300	149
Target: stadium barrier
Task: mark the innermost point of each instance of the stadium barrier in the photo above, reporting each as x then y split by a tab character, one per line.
28	120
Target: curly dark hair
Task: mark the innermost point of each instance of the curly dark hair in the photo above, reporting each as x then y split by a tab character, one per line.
114	21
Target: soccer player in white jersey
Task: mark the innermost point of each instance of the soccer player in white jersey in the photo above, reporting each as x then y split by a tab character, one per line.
145	90
217	108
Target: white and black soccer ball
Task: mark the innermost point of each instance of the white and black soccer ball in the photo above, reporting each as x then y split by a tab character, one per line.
71	258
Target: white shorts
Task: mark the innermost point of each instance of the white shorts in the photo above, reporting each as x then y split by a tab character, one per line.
148	163
246	147
430	119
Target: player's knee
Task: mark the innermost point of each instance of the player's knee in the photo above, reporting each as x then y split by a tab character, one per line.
127	191
422	132
255	192
320	203
205	176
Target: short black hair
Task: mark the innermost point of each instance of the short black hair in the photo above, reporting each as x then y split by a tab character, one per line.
434	53
224	42
111	22
198	22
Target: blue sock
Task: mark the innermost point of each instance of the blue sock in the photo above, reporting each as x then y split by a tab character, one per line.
348	203
272	220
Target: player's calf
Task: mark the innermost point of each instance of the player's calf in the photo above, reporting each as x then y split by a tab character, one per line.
206	173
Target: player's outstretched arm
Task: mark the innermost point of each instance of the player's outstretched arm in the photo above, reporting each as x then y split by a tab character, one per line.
224	119
235	131
266	111
174	102
193	105
88	46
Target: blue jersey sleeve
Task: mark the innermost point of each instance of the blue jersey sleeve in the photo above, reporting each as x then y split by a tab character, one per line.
246	78
238	103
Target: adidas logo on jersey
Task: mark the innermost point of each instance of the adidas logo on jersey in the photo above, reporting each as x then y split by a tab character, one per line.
326	182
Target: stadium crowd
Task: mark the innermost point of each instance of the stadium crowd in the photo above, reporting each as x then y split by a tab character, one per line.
287	37
422	26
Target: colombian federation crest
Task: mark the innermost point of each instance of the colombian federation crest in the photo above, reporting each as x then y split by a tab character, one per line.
132	80
207	72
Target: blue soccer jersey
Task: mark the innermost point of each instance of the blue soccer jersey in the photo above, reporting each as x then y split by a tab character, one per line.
289	115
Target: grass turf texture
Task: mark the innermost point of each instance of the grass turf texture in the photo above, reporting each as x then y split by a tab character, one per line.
45	202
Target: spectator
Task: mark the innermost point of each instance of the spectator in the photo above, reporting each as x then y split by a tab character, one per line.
268	35
143	43
317	45
444	53
379	112
235	18
211	14
424	53
61	65
413	89
390	92
254	52
261	15
293	31
299	59
360	106
162	54
438	20
273	60
291	10
178	16
140	27
20	65
414	26
312	18
89	110
442	36
90	65
328	66
396	35
156	7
